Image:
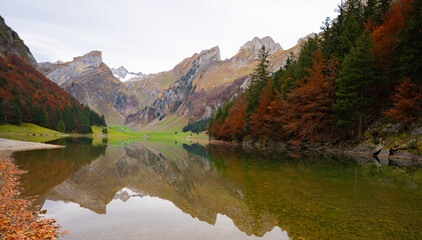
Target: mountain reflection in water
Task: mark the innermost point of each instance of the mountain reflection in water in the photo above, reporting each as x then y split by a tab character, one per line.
152	190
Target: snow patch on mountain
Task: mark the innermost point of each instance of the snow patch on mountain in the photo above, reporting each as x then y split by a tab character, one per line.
124	75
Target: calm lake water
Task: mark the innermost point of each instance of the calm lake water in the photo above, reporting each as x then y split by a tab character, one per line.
173	190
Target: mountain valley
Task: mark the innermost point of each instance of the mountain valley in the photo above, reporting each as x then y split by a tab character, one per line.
191	90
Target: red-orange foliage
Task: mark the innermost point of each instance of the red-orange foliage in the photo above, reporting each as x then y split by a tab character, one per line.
261	121
277	114
306	113
217	129
405	101
32	85
385	36
233	127
16	220
308	108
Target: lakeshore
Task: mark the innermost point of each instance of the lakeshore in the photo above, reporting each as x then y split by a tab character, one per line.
8	146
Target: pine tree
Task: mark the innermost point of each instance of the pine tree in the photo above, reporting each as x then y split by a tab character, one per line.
304	61
61	127
68	119
409	48
210	126
16	113
103	121
83	120
352	28
39	116
283	80
353	84
43	118
260	77
374	10
382	7
370	9
340	35
2	115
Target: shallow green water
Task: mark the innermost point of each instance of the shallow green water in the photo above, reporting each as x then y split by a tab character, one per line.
169	190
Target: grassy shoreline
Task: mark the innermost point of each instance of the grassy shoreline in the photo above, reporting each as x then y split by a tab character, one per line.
34	133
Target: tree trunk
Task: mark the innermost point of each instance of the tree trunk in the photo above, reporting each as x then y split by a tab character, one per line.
360	126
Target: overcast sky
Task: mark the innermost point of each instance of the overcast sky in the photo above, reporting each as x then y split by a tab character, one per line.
153	36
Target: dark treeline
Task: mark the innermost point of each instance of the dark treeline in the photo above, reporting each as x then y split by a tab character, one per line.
74	118
27	96
365	65
196	127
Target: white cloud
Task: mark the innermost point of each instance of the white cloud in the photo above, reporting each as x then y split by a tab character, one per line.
153	36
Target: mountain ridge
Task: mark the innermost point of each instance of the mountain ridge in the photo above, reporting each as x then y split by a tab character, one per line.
135	99
11	43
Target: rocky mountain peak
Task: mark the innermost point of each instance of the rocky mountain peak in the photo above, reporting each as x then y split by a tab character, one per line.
10	43
208	56
123	69
64	73
305	38
256	43
120	72
91	59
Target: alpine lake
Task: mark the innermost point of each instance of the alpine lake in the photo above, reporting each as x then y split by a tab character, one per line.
181	190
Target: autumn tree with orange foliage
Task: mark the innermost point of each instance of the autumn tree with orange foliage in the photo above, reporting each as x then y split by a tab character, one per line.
215	129
385	36
405	102
385	39
260	124
308	108
235	122
16	220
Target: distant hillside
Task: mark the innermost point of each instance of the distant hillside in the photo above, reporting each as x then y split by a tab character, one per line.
28	96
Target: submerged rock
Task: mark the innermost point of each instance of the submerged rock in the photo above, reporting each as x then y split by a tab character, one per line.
361	150
377	150
384	153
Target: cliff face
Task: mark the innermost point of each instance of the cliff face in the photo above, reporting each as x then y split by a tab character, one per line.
169	100
11	44
65	73
89	80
